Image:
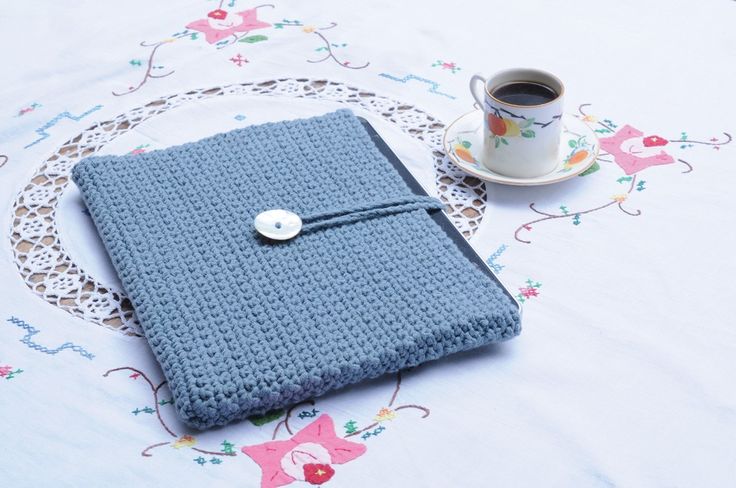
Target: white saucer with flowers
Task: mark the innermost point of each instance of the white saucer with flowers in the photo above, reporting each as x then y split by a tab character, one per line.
463	143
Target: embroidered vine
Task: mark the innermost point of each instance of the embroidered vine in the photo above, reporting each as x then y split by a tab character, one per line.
223	28
385	413
632	151
320	431
149	64
388	412
327	46
179	442
575	216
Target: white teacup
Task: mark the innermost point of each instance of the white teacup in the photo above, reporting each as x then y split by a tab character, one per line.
521	121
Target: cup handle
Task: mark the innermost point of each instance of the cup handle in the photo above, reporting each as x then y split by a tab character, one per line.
479	97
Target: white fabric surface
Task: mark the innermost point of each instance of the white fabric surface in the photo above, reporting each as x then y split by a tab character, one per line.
623	374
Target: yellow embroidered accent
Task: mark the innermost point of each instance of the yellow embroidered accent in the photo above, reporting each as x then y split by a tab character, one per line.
385	414
620	198
184	441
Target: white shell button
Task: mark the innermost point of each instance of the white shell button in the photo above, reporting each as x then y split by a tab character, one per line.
278	224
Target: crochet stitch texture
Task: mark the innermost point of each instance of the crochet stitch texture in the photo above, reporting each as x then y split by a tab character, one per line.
242	325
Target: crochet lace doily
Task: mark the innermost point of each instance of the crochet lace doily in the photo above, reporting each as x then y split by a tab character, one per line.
50	272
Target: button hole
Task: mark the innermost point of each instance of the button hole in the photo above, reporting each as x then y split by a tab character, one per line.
277	225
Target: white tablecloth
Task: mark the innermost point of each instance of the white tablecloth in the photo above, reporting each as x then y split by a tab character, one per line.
623	375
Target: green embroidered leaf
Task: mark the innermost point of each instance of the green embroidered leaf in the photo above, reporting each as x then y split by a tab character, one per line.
227	447
466	144
254	39
528	133
505	141
267	417
498	142
351	426
572	143
594	167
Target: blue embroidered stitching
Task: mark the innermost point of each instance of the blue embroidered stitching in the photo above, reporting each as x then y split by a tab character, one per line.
492	259
41	131
433	85
31	331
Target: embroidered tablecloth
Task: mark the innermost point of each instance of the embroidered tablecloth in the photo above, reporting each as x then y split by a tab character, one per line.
623	375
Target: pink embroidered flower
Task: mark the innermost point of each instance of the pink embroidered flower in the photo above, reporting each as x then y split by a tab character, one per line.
630	150
308	456
654	141
529	292
5	371
220	24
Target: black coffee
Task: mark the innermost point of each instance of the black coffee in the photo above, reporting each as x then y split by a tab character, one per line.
524	93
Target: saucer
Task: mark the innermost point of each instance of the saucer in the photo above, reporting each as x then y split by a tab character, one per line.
463	143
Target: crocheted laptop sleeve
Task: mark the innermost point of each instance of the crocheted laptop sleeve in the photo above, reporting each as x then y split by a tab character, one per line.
242	325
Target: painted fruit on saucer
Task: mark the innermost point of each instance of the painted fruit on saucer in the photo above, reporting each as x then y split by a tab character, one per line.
463	143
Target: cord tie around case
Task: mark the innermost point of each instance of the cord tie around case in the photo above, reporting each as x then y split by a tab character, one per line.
281	224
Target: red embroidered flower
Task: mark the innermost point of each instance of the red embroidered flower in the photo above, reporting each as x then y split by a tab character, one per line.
218	14
653	141
317	474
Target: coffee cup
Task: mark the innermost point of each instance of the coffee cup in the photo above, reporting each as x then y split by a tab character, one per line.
522	112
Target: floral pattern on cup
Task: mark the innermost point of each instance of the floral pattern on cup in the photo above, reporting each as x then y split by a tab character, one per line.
502	128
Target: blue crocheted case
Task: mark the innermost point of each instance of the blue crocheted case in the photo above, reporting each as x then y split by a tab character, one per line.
242	325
